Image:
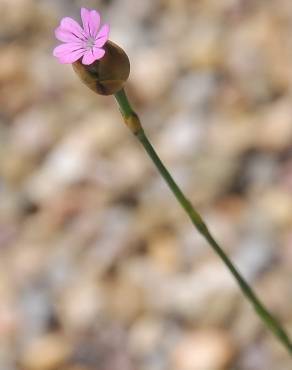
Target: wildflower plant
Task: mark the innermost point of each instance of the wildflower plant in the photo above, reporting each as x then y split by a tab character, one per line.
104	67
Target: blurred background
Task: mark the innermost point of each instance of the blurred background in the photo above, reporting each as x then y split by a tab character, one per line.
99	267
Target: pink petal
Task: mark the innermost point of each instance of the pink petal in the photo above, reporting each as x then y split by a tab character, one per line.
102	35
88	57
104	31
68	53
91	21
65	36
85	16
94	22
67	48
98	53
70	25
70	57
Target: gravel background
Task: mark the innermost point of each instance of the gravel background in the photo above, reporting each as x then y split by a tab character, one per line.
99	267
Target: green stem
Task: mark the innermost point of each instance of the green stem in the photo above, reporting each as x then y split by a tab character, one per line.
131	117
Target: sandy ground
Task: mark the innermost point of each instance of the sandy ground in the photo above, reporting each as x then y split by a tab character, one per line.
99	267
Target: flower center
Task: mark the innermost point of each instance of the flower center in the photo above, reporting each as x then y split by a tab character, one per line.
90	42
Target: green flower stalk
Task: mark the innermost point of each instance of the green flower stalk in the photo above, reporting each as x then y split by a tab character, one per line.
104	67
132	121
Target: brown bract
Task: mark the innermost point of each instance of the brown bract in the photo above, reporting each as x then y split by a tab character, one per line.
107	75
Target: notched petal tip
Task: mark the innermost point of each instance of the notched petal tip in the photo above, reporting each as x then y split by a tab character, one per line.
83	10
95	17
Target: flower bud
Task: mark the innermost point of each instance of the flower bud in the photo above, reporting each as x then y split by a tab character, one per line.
107	75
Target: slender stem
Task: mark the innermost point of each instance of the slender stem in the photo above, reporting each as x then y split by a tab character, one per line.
133	122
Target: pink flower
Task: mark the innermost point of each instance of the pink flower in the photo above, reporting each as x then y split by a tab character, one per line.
86	42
